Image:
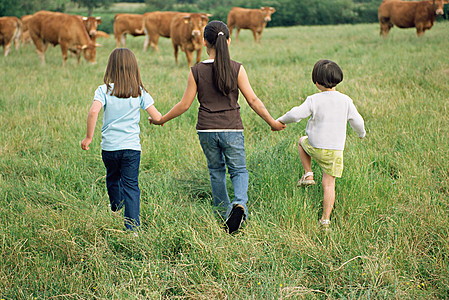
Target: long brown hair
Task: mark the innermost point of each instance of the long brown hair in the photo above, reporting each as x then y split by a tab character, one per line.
122	70
216	33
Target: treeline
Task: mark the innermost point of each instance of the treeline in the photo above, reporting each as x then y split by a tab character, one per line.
288	12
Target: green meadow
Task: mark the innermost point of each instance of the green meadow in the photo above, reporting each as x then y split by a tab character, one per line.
389	237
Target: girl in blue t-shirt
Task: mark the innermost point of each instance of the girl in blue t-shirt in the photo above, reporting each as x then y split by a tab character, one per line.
121	96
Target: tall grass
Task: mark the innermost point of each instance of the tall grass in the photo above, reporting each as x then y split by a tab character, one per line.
389	236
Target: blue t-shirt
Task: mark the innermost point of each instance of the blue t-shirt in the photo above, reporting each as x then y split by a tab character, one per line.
121	117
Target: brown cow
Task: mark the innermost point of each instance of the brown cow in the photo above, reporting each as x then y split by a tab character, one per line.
66	30
407	14
254	19
156	24
186	31
10	30
91	24
127	23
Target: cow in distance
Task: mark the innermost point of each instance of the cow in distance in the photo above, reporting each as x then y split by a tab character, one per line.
186	31
408	14
127	24
157	24
10	30
253	19
66	30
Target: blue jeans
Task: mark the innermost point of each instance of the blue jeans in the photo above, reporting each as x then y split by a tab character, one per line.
122	181
226	149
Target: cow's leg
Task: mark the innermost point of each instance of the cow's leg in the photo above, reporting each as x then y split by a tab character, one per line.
230	27
78	55
41	47
189	55
198	55
146	43
237	34
420	29
118	38
175	52
385	27
123	39
254	35
6	49
64	50
154	39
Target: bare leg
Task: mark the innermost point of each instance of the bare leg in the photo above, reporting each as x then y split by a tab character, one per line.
328	195
306	160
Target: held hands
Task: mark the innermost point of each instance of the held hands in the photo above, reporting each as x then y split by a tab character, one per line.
277	126
152	121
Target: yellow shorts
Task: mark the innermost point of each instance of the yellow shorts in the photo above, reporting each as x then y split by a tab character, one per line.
331	161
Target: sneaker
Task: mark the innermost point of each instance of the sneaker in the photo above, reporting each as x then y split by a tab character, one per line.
325	224
235	218
303	182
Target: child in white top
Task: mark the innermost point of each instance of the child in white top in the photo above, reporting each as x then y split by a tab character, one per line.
329	113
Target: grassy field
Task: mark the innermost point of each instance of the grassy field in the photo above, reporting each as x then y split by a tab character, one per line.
389	237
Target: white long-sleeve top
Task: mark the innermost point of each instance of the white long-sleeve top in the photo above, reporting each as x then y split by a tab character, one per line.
329	113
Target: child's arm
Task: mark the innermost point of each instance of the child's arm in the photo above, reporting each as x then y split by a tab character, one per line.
255	103
91	122
183	105
297	113
356	121
155	115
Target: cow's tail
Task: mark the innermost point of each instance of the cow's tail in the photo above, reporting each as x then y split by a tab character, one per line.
17	34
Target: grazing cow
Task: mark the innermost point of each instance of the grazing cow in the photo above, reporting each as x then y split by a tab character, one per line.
254	19
127	23
26	39
156	24
66	30
10	30
186	31
407	14
91	24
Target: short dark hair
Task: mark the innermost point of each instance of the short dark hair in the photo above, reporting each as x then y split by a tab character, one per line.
327	73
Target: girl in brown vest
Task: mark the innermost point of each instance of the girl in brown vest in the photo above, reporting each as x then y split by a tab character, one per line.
217	81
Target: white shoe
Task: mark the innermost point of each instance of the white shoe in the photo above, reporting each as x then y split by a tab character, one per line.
303	182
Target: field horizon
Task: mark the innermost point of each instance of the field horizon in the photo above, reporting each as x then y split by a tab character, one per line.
389	236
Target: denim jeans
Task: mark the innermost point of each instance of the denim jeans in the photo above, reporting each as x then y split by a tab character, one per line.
226	149
122	172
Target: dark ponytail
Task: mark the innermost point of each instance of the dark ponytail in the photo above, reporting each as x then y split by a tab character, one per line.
216	34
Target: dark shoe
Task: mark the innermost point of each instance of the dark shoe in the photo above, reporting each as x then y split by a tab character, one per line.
235	218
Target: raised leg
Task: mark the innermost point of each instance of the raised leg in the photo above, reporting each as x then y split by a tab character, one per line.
306	160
